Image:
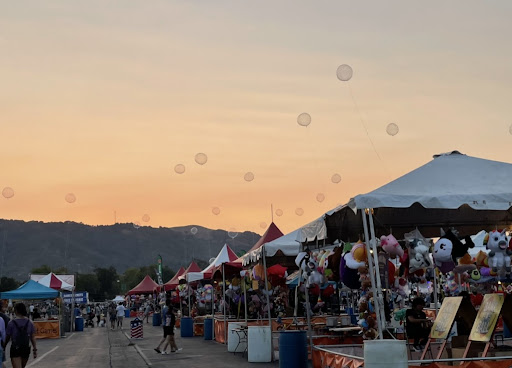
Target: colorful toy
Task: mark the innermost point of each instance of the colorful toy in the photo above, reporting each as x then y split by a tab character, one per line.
449	248
357	256
418	255
499	255
391	246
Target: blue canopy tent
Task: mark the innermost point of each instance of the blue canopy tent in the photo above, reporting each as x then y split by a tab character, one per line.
30	290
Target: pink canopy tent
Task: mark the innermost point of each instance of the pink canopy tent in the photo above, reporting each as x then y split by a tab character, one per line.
173	283
146	286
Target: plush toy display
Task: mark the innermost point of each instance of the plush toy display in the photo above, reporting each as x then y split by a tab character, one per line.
499	255
391	246
449	248
418	255
357	256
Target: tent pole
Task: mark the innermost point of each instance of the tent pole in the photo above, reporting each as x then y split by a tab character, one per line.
73	307
372	274
267	292
435	288
245	297
188	292
380	295
296	309
224	303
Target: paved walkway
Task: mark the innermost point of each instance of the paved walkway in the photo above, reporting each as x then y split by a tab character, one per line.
100	347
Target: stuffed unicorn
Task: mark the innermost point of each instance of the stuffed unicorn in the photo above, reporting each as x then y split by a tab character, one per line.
499	255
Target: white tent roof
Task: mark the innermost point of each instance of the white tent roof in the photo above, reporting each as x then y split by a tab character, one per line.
289	243
447	182
118	298
52	281
222	257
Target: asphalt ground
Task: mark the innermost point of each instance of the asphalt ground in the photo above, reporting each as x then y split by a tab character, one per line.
102	347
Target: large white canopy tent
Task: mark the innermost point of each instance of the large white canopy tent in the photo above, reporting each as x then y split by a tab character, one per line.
453	189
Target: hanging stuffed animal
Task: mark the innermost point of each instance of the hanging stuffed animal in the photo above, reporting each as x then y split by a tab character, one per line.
449	248
499	255
334	264
357	256
391	246
418	255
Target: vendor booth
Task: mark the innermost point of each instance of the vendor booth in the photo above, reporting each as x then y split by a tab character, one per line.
459	194
31	290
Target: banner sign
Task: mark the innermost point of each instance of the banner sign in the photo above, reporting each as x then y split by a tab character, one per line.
80	297
46	329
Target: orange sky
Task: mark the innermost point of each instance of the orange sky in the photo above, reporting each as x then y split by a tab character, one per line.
104	100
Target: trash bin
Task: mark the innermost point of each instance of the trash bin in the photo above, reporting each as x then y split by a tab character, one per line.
157	319
293	349
79	324
208	328
187	327
136	329
127	313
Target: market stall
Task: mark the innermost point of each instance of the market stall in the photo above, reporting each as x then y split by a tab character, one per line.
31	290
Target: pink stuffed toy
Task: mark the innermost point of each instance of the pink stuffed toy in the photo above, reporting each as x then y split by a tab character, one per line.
391	246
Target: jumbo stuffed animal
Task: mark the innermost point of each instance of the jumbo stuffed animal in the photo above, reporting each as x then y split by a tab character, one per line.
357	256
449	248
499	255
418	255
390	245
334	264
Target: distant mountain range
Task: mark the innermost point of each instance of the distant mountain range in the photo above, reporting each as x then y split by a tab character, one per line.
81	248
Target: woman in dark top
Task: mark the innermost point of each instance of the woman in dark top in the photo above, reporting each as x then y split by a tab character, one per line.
20	331
418	325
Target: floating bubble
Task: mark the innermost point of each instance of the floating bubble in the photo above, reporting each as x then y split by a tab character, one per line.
320	197
136	224
263	225
279	212
146	218
70	198
336	178
232	233
201	158
304	119
179	169
344	72
299	211
216	211
194	231
8	192
211	260
392	129
249	176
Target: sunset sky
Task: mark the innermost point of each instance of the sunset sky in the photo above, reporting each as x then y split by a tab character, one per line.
103	98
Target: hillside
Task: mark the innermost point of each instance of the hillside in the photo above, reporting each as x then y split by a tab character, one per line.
81	248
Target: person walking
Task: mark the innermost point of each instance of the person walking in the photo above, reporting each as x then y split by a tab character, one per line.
2	341
170	321
113	316
6	320
146	312
120	315
21	332
164	312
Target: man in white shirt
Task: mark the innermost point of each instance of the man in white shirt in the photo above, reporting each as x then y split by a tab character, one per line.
120	315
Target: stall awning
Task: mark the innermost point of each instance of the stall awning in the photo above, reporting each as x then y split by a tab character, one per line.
30	290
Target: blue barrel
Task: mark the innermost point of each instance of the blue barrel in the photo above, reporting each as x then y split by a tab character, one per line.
157	319
293	349
208	329
79	324
127	313
187	327
506	332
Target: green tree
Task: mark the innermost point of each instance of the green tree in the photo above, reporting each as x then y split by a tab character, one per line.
42	270
108	280
89	283
167	273
61	271
131	277
8	283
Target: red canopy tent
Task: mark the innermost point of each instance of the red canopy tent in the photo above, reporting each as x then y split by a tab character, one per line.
232	268
173	283
146	286
193	267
